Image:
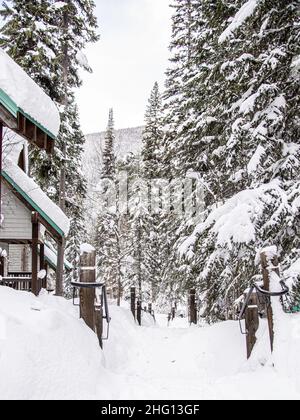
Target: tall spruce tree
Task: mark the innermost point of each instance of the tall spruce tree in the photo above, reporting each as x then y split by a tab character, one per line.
111	230
240	134
109	160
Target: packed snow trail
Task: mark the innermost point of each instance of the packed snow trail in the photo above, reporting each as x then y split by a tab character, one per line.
47	352
189	363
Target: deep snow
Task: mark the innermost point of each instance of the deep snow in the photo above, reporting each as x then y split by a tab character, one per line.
27	95
46	352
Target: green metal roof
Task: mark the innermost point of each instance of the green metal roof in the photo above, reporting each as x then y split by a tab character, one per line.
32	203
13	109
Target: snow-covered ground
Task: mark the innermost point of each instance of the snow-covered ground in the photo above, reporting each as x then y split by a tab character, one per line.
46	352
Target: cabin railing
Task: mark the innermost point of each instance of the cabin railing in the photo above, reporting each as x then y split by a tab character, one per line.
17	281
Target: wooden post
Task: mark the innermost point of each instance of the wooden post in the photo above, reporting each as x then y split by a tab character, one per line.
193	308
3	267
132	301
35	239
252	323
42	265
139	312
173	312
59	287
99	322
268	266
87	296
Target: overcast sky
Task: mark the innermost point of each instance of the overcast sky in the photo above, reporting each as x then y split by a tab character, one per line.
131	55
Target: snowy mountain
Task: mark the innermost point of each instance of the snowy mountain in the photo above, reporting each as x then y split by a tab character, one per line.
128	140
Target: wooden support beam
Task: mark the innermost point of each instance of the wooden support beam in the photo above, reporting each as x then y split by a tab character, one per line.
34	253
34	134
43	265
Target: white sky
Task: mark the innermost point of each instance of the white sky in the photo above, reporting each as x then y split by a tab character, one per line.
131	55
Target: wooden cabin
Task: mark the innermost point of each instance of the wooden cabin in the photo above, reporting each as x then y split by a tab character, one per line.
29	216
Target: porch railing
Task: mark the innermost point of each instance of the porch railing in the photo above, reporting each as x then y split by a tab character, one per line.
17	281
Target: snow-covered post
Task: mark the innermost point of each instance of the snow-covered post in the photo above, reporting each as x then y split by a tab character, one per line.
269	262
88	275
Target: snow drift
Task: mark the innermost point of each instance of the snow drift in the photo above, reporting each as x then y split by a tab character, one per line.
46	352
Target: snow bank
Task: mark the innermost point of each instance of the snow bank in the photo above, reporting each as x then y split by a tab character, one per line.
196	363
33	191
241	16
27	96
46	352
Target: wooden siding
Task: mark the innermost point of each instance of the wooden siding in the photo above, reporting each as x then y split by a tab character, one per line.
17	218
19	258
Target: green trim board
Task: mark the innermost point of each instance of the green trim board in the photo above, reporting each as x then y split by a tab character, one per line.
11	106
32	204
8	103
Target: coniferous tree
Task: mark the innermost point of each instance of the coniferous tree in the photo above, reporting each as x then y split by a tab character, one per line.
239	134
111	230
109	160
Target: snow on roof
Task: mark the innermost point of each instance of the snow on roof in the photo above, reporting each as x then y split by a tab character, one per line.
13	144
51	257
36	197
19	93
241	16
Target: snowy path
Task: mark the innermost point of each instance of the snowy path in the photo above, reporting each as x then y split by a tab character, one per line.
46	352
190	363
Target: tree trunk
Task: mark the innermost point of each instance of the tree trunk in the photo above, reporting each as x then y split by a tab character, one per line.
1	151
62	183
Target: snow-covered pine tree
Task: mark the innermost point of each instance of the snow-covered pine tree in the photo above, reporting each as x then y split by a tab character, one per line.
34	47
49	47
149	226
111	230
183	148
249	121
109	159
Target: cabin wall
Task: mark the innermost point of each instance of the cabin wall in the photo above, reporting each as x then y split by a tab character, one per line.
17	218
19	258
